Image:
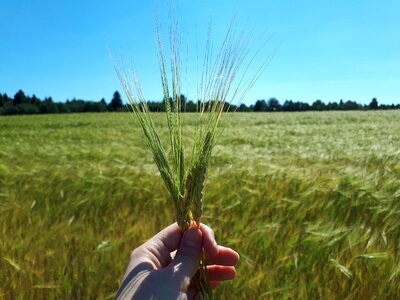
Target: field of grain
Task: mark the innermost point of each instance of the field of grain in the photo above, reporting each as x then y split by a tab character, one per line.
311	201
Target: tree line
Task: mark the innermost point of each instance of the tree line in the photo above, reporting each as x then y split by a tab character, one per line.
318	105
25	104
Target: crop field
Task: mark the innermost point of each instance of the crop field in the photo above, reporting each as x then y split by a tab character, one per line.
311	201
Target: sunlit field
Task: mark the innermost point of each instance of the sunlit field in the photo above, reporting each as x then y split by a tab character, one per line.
311	201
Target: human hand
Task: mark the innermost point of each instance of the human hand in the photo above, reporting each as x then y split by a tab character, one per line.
163	267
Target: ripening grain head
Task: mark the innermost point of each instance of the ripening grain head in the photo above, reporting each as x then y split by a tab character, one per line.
223	80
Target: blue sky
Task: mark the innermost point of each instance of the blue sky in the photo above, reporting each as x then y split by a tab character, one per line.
328	50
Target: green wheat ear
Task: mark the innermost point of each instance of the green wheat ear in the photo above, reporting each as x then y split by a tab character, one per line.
184	177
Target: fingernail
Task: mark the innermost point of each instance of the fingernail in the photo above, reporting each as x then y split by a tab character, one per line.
192	237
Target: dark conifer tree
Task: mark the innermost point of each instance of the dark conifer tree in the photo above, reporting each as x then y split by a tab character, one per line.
19	98
116	102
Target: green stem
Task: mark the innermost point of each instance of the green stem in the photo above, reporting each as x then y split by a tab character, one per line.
202	280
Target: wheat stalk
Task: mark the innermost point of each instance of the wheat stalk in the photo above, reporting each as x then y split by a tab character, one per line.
184	177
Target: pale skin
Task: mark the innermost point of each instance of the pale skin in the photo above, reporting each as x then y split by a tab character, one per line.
164	266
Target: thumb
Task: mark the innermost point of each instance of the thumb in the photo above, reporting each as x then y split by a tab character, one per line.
186	262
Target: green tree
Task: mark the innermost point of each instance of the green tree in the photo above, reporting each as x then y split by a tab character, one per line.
34	100
183	101
274	105
288	105
373	104
19	98
318	105
7	101
244	107
341	104
350	105
116	102
332	106
48	106
260	105
191	106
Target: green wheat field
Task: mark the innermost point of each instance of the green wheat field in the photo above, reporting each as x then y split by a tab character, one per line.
311	201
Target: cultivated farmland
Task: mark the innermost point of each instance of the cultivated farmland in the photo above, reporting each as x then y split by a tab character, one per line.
311	201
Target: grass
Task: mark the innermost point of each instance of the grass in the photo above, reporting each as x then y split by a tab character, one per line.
310	201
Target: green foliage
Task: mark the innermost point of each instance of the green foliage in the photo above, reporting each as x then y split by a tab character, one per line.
17	105
3	100
19	98
26	105
116	102
373	104
310	201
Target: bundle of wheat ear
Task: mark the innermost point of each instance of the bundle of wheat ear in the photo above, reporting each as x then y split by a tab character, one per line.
224	79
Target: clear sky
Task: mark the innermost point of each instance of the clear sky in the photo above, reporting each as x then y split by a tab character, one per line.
328	50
